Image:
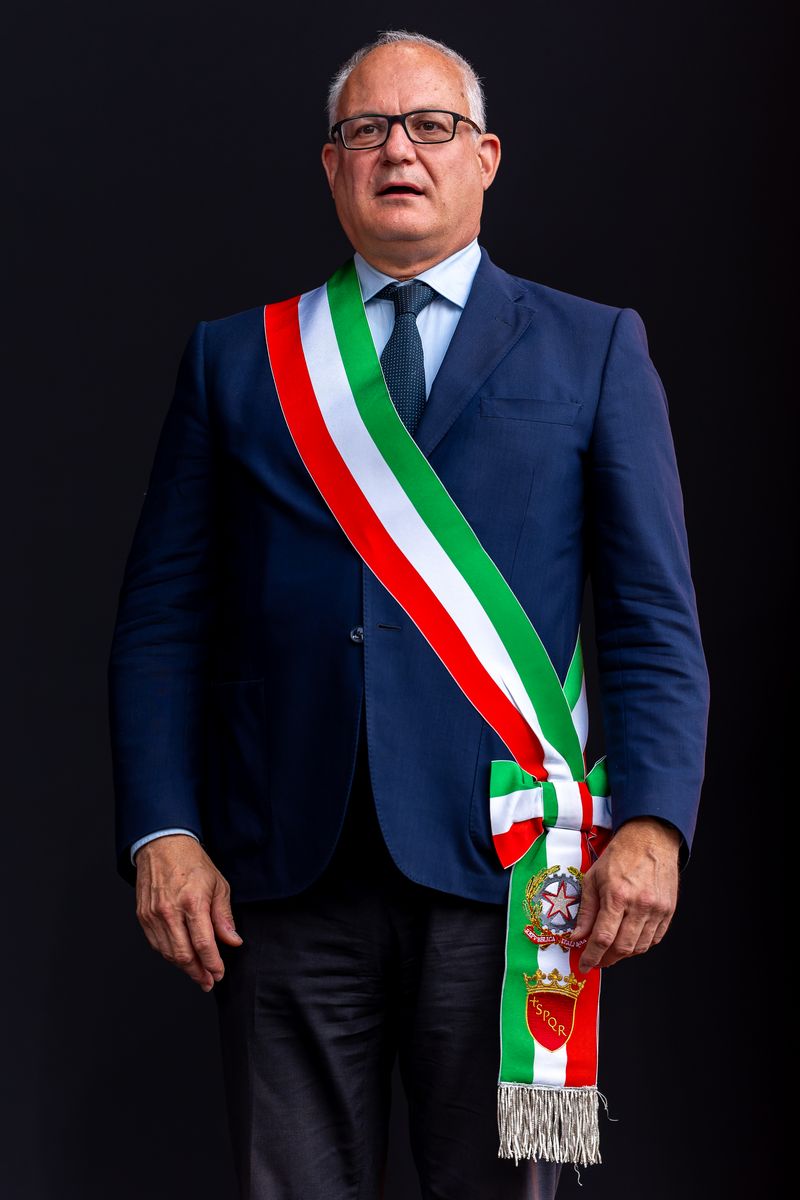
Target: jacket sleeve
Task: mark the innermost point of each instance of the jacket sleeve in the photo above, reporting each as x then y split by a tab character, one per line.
157	667
654	686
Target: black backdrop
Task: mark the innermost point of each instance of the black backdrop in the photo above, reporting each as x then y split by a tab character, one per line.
161	167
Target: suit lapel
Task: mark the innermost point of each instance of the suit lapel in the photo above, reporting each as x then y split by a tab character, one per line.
492	322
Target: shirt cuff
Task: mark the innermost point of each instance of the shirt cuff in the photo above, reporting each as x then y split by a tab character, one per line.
158	833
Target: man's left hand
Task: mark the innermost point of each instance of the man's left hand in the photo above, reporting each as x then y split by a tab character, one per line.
629	893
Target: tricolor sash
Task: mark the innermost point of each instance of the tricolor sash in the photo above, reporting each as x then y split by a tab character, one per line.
549	817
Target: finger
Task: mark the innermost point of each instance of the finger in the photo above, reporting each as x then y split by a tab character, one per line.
647	936
201	932
151	909
658	916
626	939
222	917
197	972
153	929
158	938
589	908
190	965
164	930
661	929
152	939
602	937
182	953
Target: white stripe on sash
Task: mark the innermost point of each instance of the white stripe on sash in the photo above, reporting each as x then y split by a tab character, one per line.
398	516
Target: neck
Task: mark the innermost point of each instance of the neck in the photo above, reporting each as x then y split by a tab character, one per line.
404	260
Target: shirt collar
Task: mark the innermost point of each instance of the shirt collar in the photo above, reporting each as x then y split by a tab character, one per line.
451	278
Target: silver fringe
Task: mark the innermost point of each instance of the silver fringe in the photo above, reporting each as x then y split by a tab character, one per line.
556	1124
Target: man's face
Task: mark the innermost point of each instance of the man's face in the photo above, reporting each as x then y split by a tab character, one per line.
439	210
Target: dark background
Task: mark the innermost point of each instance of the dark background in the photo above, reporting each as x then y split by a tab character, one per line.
161	167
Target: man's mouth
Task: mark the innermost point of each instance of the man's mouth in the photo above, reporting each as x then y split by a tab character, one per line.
400	189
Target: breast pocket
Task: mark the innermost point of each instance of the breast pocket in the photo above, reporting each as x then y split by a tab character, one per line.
530	408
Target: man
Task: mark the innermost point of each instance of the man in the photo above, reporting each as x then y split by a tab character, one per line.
289	747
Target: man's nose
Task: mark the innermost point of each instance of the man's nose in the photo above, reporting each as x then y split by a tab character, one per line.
398	147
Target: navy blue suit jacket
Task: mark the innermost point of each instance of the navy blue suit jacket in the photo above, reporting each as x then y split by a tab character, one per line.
236	681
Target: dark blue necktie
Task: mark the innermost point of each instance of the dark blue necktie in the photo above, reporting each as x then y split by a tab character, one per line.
402	358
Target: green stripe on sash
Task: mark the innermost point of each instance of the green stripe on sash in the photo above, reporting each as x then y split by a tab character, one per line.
574	680
445	521
522	957
507	777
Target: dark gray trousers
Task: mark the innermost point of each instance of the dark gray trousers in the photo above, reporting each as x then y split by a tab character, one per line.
327	990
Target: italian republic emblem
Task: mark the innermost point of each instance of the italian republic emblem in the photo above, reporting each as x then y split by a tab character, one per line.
552	900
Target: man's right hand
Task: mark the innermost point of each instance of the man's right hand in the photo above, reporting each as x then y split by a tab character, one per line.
182	901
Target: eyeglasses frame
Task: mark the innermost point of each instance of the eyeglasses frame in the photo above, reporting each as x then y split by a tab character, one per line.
400	118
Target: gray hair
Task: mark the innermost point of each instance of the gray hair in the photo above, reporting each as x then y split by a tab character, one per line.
476	100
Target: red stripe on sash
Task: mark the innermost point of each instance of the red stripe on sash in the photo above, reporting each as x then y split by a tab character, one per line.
364	530
582	1046
587	808
512	844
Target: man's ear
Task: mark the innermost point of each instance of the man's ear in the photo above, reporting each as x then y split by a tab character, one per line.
330	162
489	155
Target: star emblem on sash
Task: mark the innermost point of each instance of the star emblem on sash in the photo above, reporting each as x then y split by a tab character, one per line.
560	902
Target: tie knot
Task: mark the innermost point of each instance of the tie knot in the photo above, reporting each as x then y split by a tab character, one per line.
408	297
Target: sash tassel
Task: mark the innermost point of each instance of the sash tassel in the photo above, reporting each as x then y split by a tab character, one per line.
554	1124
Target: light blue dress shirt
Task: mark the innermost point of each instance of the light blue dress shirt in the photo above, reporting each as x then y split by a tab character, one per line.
451	279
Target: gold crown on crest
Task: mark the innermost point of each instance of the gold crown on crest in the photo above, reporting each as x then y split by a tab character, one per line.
563	985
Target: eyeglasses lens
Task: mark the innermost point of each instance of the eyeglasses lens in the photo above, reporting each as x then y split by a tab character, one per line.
360	133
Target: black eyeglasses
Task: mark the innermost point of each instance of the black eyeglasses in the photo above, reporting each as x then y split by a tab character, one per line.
425	126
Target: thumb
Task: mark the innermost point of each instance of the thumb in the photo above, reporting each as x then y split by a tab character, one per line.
590	906
222	919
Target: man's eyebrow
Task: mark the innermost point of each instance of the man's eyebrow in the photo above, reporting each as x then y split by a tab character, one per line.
416	108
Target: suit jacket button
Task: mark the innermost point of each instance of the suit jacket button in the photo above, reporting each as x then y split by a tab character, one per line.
357	634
